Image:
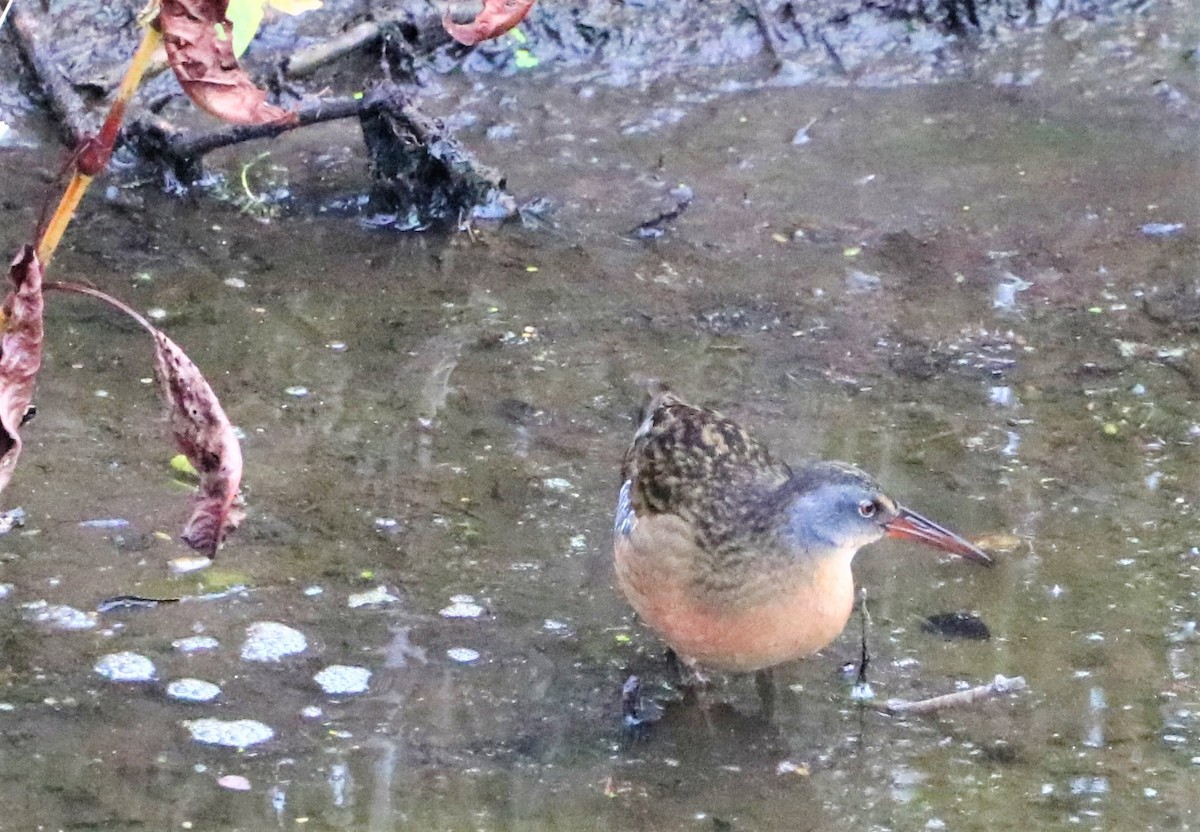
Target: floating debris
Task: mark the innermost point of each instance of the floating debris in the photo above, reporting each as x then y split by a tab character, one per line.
188	563
802	137
1005	294
125	667
59	616
343	680
789	767
461	606
372	597
312	712
234	782
552	626
193	690
195	644
862	692
313	591
6	590
861	283
296	391
1162	229
11	519
557	484
231	733
270	641
105	523
463	655
1001	395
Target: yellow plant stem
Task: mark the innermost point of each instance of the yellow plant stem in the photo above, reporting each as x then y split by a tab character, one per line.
93	155
52	236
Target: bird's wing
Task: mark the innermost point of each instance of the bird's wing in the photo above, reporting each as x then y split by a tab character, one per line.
703	467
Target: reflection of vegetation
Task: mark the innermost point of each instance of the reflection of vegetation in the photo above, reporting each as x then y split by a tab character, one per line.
262	204
467	531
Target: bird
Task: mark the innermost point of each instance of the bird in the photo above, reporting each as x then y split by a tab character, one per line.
737	561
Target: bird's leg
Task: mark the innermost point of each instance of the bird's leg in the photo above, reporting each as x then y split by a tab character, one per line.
862	692
688	674
635	721
865	660
764	683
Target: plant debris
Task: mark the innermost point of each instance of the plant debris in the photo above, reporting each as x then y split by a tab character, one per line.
20	354
202	431
197	36
496	18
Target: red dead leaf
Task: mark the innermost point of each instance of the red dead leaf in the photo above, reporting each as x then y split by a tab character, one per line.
20	354
196	34
496	18
206	437
203	433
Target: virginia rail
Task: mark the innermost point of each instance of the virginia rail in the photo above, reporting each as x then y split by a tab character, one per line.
739	562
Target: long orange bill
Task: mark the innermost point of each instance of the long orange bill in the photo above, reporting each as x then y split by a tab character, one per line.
908	525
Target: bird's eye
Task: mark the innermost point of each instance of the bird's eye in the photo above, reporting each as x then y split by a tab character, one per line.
867	508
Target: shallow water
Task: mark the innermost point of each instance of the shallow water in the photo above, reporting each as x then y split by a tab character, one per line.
948	286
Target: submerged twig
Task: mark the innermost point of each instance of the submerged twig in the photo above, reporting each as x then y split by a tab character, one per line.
998	687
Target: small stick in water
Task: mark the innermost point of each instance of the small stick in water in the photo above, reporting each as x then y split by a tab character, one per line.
999	686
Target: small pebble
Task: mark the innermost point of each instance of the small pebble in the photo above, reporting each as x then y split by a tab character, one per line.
195	644
313	591
231	733
312	712
463	655
125	667
235	283
6	590
343	680
193	690
557	484
270	641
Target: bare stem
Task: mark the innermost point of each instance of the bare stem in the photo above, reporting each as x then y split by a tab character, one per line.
93	155
83	289
999	686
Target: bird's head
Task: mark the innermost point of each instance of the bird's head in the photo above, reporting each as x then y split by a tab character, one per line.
840	508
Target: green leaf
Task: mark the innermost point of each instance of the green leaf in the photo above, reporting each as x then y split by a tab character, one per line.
180	465
526	59
245	16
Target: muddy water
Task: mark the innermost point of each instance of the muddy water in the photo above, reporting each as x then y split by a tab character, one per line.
950	287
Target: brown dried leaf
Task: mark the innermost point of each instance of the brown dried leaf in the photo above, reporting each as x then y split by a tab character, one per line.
496	18
206	437
196	34
20	354
203	433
